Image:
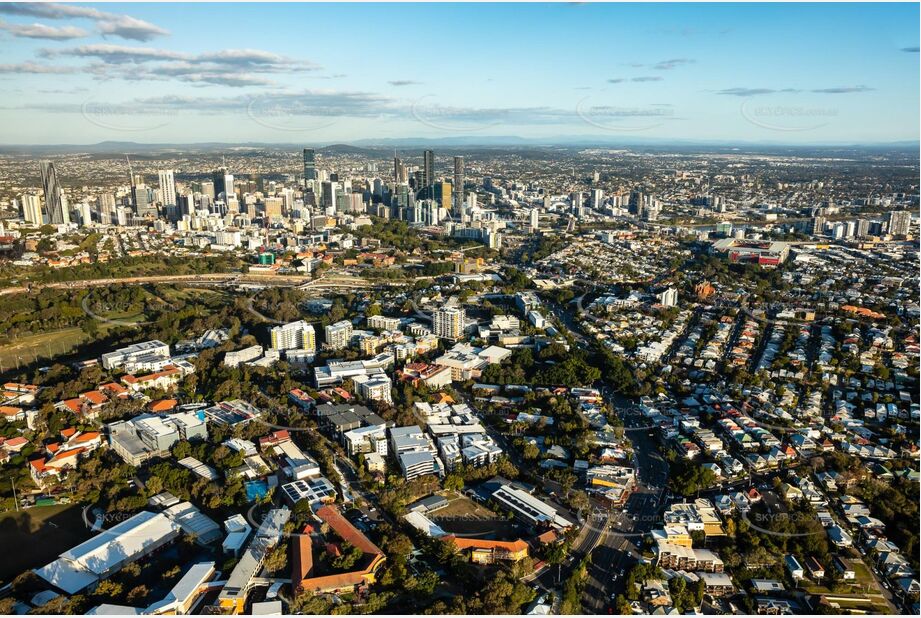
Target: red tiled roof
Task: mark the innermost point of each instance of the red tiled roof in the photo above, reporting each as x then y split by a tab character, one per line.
89	436
162	405
468	543
75	405
95	397
346	531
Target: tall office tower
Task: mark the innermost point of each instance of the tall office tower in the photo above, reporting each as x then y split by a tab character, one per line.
105	207
122	213
428	170
328	196
185	204
55	207
597	199
432	213
217	179
228	187
818	226
443	194
535	220
576	201
294	336
399	170
258	182
84	213
448	322
899	222
338	335
273	207
167	187
636	203
32	209
143	205
459	187
863	228
310	165
207	188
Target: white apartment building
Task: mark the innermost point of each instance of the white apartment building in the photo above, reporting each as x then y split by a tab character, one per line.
369	439
382	322
375	387
298	335
448	322
338	335
233	359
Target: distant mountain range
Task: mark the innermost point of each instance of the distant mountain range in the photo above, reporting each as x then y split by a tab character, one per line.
376	146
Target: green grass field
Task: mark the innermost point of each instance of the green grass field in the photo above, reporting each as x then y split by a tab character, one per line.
34	537
43	345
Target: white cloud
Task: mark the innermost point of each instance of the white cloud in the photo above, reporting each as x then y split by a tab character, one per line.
112	24
42	31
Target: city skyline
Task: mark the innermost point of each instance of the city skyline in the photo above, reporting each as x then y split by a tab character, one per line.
147	73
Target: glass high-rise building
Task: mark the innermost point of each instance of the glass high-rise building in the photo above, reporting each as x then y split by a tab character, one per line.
167	187
428	171
310	164
54	195
217	178
459	187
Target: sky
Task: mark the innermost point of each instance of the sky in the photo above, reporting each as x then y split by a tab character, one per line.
320	73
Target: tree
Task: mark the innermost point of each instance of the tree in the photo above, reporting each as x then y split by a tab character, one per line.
137	594
454	482
277	559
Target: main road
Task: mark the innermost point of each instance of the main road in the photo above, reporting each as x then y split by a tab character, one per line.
222	279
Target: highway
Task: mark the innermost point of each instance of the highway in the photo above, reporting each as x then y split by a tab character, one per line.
220	279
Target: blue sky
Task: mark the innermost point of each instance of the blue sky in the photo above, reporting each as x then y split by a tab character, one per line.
803	73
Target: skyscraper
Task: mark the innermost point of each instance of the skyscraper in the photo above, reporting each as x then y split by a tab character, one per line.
143	205
400	174
328	196
637	203
459	187
899	222
167	187
32	209
428	171
576	200
54	195
228	187
310	165
217	178
443	192
105	207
